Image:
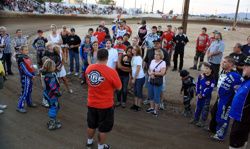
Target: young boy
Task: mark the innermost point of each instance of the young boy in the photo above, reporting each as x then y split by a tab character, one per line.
120	47
39	45
126	37
205	85
27	76
45	102
188	86
159	31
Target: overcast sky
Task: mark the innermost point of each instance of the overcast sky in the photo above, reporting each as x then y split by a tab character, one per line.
196	6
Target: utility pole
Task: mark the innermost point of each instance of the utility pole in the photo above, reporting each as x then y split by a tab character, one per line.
185	15
123	3
163	6
236	13
153	6
135	3
246	14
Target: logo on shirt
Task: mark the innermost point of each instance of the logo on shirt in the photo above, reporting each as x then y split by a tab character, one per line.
95	78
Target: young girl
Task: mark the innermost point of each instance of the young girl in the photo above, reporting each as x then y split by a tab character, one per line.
61	72
51	91
92	55
138	77
27	76
64	35
53	55
84	50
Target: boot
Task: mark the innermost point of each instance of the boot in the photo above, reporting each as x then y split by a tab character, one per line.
188	113
45	103
200	123
194	67
194	120
52	124
199	69
21	110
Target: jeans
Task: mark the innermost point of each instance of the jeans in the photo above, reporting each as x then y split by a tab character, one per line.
176	60
7	60
124	80
154	92
73	55
215	72
138	87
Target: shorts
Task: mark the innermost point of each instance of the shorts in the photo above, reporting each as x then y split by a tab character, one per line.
138	86
239	134
103	119
64	45
163	87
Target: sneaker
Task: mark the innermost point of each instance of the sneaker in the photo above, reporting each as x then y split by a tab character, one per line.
45	103
188	113
70	91
117	104
1	111
194	121
150	110
180	70
76	74
106	146
145	102
70	73
133	107
10	73
215	138
200	123
33	105
193	68
137	108
155	113
199	69
3	107
184	112
21	110
174	69
161	106
89	146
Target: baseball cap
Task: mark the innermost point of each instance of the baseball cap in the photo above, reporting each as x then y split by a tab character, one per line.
39	31
184	73
215	31
100	26
169	25
157	40
143	22
208	65
72	30
180	27
120	37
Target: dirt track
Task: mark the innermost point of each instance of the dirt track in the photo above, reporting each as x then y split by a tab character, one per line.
131	130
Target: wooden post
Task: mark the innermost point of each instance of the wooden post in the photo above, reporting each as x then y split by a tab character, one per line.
163	6
236	13
153	6
185	15
123	3
135	3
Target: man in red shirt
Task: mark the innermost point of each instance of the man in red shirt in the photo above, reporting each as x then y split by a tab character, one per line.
202	44
167	38
102	81
120	47
100	34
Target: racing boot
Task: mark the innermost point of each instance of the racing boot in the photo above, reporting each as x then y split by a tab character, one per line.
21	110
194	67
194	120
200	123
199	68
188	113
45	103
52	124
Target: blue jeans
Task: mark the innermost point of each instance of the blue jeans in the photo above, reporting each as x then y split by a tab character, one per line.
73	55
124	80
7	61
154	92
138	87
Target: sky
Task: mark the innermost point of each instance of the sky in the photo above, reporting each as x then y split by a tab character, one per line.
195	7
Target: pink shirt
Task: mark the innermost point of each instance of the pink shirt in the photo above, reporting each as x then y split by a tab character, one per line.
153	64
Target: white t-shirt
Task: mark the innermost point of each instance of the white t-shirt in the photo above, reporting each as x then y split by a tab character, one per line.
137	60
121	32
113	58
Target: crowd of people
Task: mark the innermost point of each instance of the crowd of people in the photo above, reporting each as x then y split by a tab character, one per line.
109	62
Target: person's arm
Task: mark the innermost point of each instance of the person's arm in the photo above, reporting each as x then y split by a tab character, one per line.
127	29
34	44
210	89
116	28
197	44
126	69
136	73
161	73
82	57
49	39
198	86
63	59
60	41
215	53
207	43
25	71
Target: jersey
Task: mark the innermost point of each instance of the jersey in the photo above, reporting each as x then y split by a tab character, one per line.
25	65
142	33
84	50
120	49
50	85
54	56
205	85
39	43
180	41
121	32
167	39
188	86
203	42
149	40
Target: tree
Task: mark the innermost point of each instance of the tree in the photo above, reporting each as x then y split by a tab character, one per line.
213	16
106	2
171	12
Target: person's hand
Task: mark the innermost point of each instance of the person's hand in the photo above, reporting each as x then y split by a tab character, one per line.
133	81
204	52
235	66
72	46
152	76
33	78
116	23
199	95
125	59
59	69
209	56
37	49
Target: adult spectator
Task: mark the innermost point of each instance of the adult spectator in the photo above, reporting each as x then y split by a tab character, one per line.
102	81
113	55
100	35
124	68
126	37
148	59
120	47
181	41
239	58
64	35
246	48
114	33
142	33
167	39
227	88
120	30
105	29
90	33
151	38
126	26
240	111
7	52
212	39
202	44
215	53
19	41
54	37
73	42
157	70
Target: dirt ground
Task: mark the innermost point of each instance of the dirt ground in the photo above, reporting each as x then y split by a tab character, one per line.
131	130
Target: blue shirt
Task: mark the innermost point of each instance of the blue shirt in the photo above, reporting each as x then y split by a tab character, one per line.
113	29
246	49
205	85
